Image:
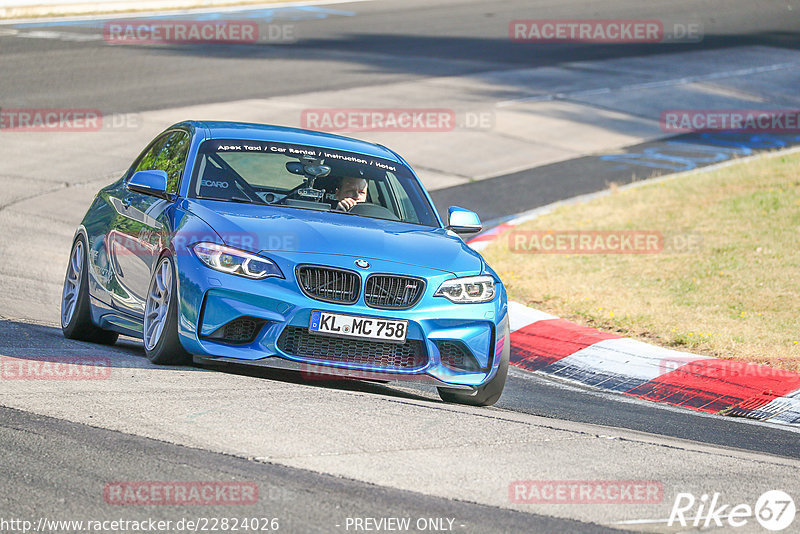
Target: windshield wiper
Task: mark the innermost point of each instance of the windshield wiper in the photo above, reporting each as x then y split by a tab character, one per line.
244	200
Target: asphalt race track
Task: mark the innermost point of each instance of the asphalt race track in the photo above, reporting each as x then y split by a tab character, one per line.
321	452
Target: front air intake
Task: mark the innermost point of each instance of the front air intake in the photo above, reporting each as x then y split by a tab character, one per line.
239	331
378	355
456	356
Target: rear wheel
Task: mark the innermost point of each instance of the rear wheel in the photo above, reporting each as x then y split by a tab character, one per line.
160	334
76	315
487	394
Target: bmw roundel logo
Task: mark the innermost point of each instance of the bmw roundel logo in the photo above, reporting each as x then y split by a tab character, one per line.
364	264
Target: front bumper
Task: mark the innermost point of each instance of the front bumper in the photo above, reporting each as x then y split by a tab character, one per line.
210	300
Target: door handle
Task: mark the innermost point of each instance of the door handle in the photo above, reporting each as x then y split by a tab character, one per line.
126	202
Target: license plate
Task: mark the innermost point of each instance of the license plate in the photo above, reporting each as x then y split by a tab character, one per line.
338	324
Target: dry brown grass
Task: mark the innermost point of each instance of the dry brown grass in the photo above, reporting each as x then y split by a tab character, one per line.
735	295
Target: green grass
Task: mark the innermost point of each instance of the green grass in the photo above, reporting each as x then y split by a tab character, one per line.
734	294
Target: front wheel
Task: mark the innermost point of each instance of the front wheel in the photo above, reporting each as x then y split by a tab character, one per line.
160	332
487	394
76	315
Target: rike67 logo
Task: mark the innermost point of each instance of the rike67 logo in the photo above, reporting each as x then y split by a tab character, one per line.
774	510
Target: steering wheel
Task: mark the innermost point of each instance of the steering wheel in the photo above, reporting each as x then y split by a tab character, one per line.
368	209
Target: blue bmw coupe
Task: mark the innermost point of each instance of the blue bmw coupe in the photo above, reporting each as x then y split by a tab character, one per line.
264	245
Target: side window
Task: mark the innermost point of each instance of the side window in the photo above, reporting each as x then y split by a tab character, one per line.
172	159
149	158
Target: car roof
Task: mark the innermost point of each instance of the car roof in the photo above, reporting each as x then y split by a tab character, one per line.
284	134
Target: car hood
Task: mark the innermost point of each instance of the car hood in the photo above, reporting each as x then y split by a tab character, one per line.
279	229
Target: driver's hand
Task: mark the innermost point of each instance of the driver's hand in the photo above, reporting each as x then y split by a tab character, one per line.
346	204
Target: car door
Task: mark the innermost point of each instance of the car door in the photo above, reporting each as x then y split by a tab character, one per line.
141	225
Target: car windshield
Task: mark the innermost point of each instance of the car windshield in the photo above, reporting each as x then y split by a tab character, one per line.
306	177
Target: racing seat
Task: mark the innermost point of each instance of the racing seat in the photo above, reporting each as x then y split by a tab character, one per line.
215	183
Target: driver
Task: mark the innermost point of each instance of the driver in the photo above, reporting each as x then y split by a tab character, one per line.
351	191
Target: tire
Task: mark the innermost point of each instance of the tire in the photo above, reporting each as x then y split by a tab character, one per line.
487	394
160	328
76	315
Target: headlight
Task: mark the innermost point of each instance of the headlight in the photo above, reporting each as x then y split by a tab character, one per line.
234	261
467	289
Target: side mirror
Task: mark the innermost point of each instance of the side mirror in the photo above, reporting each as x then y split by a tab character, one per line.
463	221
152	183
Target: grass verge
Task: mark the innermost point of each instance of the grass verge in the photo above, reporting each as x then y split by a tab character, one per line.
720	272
